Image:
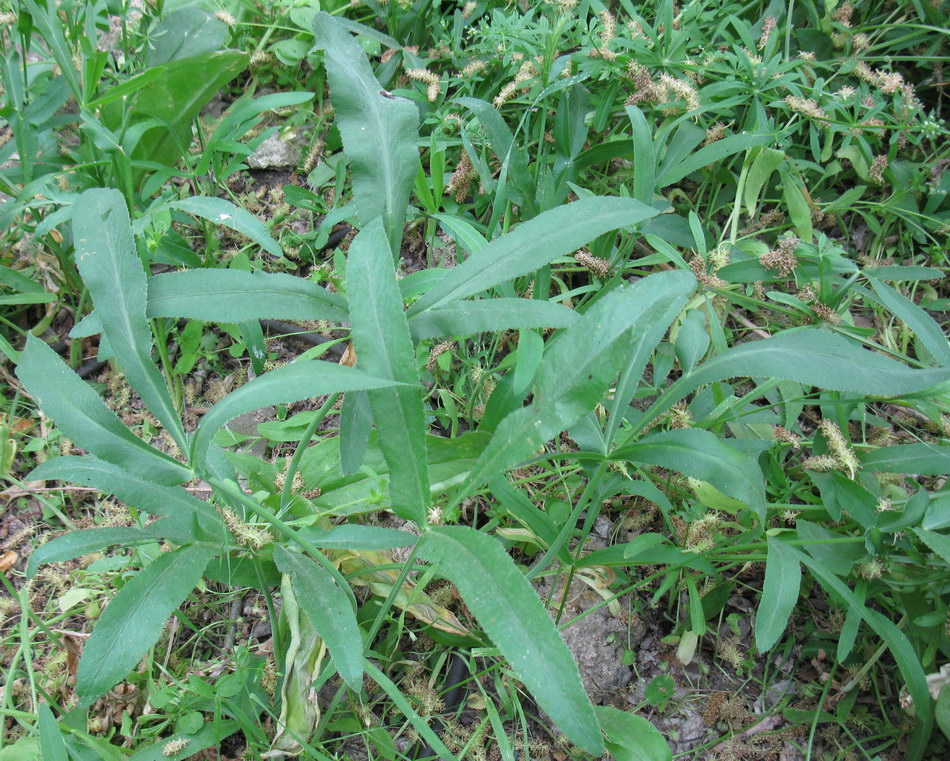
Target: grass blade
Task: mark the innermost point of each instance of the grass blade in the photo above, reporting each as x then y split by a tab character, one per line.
514	618
384	349
107	260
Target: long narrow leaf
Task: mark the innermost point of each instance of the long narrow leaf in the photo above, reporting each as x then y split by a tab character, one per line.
290	383
78	543
711	154
329	610
464	318
384	349
113	272
133	621
513	617
924	326
783	576
533	244
79	413
223	212
233	296
134	490
379	131
810	356
705	456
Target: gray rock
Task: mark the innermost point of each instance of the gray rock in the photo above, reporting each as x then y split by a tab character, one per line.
274	153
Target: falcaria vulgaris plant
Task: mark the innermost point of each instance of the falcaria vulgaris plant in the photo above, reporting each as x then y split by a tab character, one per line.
286	537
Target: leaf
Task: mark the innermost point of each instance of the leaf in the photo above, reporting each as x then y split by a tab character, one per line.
798	210
356	422
938	543
765	163
379	131
810	356
630	737
503	144
533	244
577	368
75	544
355	536
464	318
920	458
111	269
172	101
134	620
926	329
711	154
384	349
233	296
287	384
942	710
530	349
704	456
692	341
223	212
52	744
783	576
644	157
184	33
134	490
514	618
329	610
80	414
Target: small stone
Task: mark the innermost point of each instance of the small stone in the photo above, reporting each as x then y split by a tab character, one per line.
274	153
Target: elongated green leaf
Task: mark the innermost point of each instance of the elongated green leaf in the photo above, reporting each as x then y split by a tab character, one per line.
925	328
533	244
783	577
52	743
764	164
290	383
233	296
644	157
938	543
810	356
75	544
903	652
135	491
463	318
514	618
705	456
503	144
223	212
355	536
113	272
651	328
384	349
630	737
329	610
133	621
711	154
379	131
577	369
921	458
79	413
172	100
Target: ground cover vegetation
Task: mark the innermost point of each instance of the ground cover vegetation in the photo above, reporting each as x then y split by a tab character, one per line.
541	380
